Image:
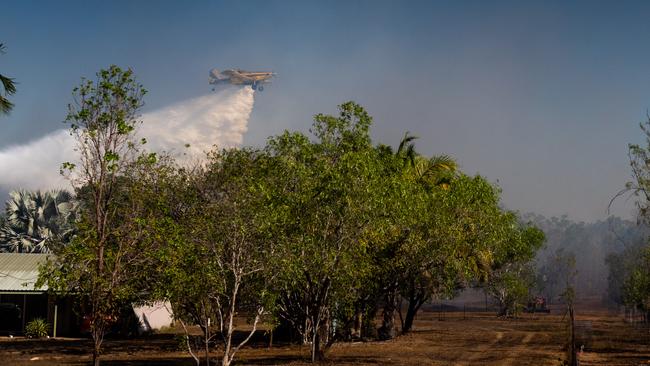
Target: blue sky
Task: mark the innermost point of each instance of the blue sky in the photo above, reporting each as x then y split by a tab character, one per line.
542	96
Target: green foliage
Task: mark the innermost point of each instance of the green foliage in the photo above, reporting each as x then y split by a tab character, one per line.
314	232
217	252
640	164
636	287
513	276
106	263
621	265
37	328
330	194
366	225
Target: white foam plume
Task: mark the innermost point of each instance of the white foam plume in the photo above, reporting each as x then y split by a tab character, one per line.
201	122
219	118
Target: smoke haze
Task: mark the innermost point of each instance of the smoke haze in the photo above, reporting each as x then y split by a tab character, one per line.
219	118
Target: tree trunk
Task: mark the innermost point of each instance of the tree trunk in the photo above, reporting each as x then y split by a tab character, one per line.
358	323
95	356
317	353
229	327
387	330
97	344
205	327
573	356
97	333
368	326
315	347
414	305
207	350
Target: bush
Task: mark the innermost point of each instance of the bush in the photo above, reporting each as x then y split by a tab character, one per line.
37	328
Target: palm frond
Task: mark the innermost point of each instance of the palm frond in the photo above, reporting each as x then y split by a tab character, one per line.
406	141
436	171
8	84
5	105
445	162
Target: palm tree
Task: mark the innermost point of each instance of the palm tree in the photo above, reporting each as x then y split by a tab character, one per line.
435	171
432	173
37	220
9	87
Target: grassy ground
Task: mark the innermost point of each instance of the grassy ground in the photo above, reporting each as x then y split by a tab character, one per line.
453	338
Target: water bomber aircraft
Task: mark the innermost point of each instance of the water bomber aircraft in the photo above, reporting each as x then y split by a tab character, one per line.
256	79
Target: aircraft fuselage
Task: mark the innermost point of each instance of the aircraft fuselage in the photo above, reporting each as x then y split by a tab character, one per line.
241	77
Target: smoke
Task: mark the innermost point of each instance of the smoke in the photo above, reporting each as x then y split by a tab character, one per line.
35	165
186	130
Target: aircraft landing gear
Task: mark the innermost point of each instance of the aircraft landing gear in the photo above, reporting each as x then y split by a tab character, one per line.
254	86
260	88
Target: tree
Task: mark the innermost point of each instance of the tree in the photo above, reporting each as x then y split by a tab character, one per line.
569	296
636	286
640	163
100	265
513	275
620	267
219	256
9	87
414	184
329	188
452	232
37	221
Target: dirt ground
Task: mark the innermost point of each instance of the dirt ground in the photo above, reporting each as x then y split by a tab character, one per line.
449	338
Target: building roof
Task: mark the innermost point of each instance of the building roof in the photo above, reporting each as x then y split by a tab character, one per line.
19	272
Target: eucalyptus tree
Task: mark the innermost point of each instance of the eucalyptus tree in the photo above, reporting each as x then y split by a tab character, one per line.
9	87
103	263
36	221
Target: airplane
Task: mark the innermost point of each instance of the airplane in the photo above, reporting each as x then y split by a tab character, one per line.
256	79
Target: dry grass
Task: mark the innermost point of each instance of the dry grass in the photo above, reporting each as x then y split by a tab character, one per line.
474	338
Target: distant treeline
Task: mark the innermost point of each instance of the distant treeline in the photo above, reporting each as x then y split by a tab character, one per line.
599	250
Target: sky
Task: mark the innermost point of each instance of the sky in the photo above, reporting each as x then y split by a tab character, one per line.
541	98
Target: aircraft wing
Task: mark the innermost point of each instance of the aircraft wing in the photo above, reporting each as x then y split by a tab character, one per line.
238	78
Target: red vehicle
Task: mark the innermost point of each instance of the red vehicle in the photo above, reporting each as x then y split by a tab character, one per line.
537	305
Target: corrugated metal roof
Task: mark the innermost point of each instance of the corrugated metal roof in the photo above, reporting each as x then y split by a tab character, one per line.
19	272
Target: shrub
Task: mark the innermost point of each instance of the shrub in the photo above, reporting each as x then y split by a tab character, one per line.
37	328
